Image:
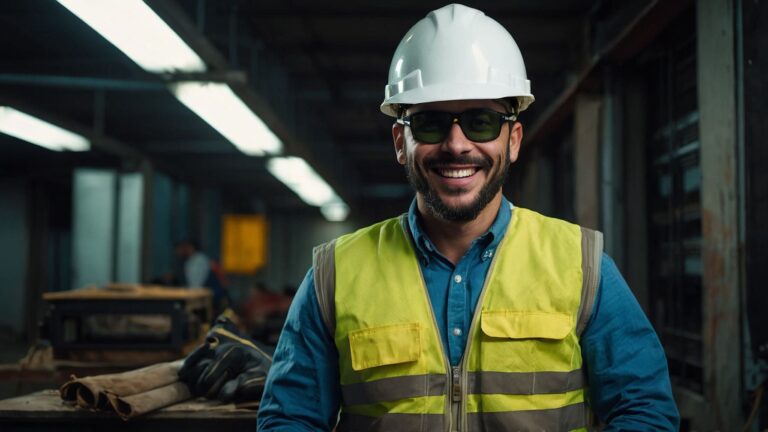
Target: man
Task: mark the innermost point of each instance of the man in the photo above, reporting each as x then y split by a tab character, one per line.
200	271
467	313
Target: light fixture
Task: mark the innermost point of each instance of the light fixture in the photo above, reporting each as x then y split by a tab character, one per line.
335	211
36	131
299	176
136	30
220	107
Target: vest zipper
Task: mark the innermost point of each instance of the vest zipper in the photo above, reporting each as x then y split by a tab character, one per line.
456	391
456	413
452	409
462	369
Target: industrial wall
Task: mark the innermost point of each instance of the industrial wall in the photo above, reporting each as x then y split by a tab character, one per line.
292	237
652	146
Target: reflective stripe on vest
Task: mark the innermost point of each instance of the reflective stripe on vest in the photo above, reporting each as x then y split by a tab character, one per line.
520	383
391	422
393	370
568	418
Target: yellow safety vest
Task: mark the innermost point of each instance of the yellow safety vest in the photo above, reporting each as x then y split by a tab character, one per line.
521	369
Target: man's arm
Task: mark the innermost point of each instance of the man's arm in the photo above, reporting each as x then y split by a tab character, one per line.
302	388
626	367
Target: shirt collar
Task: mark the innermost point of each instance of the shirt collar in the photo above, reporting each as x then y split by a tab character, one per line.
490	239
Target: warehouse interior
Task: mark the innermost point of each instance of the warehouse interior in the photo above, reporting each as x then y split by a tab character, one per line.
647	125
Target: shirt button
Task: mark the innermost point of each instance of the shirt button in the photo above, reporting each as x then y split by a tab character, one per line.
457	331
457	278
488	254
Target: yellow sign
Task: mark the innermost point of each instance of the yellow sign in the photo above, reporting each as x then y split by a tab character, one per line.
243	243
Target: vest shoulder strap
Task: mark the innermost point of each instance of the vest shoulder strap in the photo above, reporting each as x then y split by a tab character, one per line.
323	262
591	257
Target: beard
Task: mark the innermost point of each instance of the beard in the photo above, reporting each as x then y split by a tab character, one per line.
418	180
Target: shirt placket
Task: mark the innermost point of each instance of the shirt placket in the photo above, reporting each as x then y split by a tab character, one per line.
457	309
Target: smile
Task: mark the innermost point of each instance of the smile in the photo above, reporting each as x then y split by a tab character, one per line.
456	173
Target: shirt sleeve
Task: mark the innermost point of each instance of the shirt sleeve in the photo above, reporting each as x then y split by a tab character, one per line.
302	389
629	387
196	270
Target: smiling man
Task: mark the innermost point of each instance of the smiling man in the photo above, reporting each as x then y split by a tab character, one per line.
466	313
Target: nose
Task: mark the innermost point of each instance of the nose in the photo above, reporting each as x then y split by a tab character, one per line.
456	143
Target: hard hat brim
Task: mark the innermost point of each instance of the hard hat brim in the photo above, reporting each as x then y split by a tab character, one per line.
451	92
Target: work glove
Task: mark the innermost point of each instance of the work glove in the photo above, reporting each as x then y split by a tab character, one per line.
227	367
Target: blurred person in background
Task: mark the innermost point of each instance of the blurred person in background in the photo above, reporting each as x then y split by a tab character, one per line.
199	271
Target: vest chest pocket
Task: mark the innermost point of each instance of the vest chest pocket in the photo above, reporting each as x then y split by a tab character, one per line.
527	353
385	345
527	341
525	325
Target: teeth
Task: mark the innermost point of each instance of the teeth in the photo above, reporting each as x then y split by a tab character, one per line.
457	173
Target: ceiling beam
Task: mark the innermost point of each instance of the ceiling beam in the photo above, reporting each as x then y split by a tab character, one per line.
81	82
409	11
182	146
130	157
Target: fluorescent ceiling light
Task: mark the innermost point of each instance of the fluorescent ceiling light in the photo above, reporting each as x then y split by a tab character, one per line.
136	30
33	130
335	211
295	173
220	107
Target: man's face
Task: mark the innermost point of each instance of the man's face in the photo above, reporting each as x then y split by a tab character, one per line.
457	178
184	250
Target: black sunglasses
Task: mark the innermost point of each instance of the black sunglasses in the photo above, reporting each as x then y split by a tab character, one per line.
479	124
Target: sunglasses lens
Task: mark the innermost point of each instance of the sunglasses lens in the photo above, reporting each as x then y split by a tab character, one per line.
481	125
430	127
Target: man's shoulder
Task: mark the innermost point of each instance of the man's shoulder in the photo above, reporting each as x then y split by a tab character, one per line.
198	258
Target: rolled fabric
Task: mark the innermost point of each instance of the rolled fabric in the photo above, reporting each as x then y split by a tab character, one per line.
138	404
91	392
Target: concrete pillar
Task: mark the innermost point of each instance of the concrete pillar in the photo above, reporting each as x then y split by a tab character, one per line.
587	161
636	232
93	231
129	227
719	201
612	168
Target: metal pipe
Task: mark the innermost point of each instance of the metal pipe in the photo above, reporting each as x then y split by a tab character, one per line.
89	83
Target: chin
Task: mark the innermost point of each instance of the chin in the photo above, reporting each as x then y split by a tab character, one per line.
459	205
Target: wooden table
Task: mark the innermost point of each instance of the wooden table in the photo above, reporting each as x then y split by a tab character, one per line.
45	411
188	310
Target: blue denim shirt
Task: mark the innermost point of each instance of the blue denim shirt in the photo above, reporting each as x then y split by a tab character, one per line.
629	386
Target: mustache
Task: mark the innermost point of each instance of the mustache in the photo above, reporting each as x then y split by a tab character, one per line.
443	160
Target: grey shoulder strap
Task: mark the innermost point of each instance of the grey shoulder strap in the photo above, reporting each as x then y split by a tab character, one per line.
324	264
591	257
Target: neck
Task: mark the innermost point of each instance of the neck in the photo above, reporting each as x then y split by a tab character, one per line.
453	238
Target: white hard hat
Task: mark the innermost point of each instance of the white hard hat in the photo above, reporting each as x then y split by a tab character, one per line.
456	53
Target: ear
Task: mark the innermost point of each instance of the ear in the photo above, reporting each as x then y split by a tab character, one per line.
398	137
515	138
